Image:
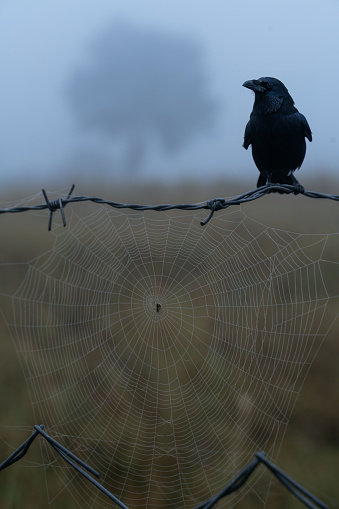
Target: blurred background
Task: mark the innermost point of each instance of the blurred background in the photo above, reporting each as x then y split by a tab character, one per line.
152	90
142	102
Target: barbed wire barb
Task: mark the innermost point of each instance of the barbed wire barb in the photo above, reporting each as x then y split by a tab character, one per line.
55	205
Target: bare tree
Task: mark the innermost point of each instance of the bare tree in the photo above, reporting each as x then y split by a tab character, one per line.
140	86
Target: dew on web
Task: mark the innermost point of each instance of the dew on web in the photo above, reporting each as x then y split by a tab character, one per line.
166	354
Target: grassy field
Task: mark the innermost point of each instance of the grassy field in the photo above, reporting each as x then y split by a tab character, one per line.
310	441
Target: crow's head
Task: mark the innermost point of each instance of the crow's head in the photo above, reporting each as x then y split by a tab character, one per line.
270	95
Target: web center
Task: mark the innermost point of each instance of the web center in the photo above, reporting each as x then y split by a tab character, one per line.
156	305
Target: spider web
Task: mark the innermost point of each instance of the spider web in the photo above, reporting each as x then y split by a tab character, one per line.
165	354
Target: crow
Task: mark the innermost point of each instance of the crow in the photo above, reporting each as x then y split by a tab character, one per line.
276	130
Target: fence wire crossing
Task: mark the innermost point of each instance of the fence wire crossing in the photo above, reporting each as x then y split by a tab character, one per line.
212	205
296	489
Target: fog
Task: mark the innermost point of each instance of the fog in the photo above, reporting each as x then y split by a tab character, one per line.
46	46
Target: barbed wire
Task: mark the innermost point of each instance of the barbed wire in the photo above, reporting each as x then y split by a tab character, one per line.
213	205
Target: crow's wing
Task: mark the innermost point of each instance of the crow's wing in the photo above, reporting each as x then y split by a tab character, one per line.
302	119
247	136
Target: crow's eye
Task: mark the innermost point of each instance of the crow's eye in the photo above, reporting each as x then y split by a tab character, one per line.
268	85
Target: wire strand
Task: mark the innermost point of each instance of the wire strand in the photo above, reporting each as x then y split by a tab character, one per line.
213	205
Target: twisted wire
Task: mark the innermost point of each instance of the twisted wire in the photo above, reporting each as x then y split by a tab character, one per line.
213	205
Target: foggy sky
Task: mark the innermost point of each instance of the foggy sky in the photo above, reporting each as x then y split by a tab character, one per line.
41	43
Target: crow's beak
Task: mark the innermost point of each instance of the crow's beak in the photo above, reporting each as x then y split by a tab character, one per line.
255	85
